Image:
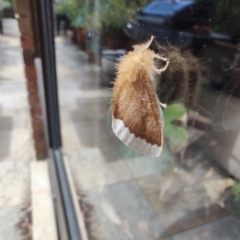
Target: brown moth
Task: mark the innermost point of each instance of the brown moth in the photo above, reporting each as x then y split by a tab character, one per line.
136	111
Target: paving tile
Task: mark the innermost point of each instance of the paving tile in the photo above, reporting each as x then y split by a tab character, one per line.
106	224
14	119
120	210
150	185
143	166
70	139
9	218
133	208
43	216
92	134
16	135
14	101
179	201
5	141
110	153
165	203
90	169
87	109
14	183
64	72
21	145
68	98
6	123
10	27
82	113
224	229
10	72
100	110
16	143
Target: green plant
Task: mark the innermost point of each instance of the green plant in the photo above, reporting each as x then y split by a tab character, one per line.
227	17
114	14
236	193
235	206
75	10
110	15
61	8
10	2
176	136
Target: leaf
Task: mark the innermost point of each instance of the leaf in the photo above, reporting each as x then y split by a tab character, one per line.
236	192
209	173
177	136
215	188
110	212
143	226
166	185
174	112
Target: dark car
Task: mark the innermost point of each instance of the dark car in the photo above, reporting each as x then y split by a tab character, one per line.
179	23
187	25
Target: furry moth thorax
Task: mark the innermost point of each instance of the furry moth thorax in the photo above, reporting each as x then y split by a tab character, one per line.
136	112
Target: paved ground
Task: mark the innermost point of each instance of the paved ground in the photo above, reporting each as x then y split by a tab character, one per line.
135	197
16	146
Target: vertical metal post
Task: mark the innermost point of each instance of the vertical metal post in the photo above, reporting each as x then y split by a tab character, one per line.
50	71
61	187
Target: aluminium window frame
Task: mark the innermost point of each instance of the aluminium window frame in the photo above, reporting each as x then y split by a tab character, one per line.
43	29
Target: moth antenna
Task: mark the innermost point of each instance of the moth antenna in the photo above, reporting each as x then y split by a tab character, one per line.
144	45
149	42
159	46
169	44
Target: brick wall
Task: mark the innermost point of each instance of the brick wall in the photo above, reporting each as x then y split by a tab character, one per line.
23	8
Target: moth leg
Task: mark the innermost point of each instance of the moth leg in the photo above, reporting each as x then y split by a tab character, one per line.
163	105
163	68
161	111
162	58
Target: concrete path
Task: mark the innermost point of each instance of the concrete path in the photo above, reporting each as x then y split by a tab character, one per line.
16	145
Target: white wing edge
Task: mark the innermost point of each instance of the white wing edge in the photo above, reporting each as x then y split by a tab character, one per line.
136	143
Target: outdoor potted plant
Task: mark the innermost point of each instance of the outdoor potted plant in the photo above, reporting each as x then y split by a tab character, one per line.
114	16
80	32
77	13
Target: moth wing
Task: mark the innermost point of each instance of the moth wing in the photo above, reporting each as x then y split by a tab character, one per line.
137	119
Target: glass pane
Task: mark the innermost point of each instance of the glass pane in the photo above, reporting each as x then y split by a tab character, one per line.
191	190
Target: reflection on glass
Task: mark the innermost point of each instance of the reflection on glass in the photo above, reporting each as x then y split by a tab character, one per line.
191	190
163	8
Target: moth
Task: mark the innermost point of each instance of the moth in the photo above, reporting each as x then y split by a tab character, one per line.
137	118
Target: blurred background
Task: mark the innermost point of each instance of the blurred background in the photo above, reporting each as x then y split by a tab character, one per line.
64	174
